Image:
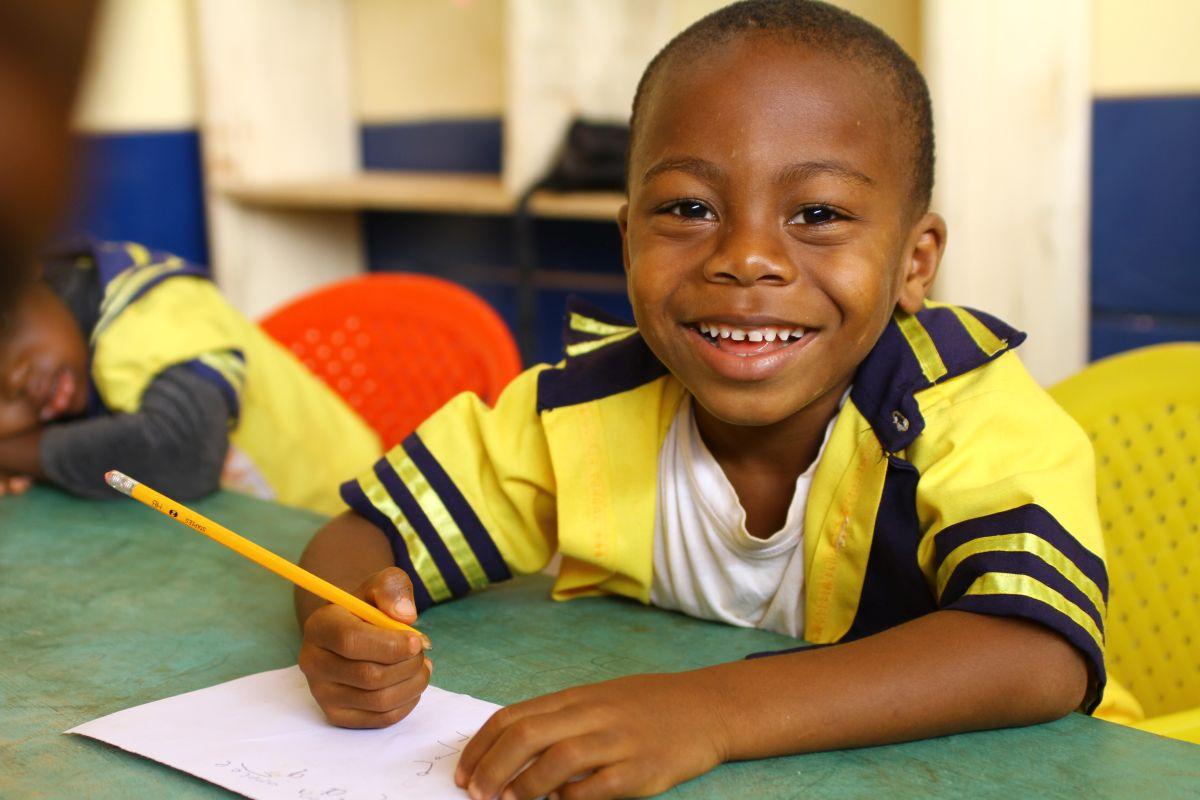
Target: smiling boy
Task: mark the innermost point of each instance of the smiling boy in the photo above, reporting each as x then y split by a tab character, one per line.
791	438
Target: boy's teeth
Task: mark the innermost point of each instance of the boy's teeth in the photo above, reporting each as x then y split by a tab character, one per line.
764	334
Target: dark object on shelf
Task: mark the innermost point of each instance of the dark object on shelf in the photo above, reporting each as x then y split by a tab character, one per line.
592	158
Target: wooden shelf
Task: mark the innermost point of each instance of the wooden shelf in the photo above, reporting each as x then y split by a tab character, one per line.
438	192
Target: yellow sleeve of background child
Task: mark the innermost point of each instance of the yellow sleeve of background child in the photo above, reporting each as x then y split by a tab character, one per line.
182	319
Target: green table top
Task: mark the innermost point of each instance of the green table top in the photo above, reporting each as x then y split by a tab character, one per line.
104	606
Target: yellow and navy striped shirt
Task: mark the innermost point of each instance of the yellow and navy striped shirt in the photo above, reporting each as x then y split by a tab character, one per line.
950	481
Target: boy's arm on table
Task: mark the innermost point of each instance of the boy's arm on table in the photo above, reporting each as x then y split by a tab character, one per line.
361	675
365	676
19	462
176	442
943	673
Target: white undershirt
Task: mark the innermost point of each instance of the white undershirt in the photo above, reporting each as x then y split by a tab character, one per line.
706	563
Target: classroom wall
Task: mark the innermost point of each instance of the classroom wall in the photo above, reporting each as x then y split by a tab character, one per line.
452	122
429	89
140	174
1145	240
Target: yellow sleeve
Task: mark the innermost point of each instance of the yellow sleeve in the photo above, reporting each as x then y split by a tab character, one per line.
182	320
469	498
1007	503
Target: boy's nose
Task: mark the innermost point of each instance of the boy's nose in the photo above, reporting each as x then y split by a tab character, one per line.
750	256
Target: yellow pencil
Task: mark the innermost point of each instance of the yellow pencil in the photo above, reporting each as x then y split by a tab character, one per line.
259	555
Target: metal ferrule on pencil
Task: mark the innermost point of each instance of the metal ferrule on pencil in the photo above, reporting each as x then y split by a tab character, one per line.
120	481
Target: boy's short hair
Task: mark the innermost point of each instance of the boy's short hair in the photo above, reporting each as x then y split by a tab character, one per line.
831	30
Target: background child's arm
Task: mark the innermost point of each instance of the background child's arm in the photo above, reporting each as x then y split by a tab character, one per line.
19	462
177	440
943	673
361	675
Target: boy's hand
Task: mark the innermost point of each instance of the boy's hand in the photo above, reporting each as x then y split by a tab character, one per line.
11	484
363	676
628	737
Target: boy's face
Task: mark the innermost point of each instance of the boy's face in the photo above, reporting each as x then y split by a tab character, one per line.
769	202
43	363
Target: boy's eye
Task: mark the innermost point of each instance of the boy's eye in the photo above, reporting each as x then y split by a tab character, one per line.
689	209
816	215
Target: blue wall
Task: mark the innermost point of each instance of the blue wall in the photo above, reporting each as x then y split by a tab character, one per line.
1145	236
435	146
143	187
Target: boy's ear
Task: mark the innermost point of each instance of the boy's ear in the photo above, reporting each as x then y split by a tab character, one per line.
623	224
927	241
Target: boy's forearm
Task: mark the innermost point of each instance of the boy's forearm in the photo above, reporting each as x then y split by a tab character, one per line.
20	454
944	673
346	551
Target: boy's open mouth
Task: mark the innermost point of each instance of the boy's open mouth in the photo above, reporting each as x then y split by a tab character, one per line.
748	341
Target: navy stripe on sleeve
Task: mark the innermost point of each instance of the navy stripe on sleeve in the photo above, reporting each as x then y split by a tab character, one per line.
452	574
1010	605
1030	518
353	496
216	378
1018	563
460	510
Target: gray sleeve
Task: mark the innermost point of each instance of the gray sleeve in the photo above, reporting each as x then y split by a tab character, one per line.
176	442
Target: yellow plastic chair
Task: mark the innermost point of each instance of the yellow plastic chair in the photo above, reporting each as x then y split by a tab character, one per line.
1142	412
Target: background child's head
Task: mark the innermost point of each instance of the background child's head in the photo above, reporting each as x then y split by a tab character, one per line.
43	361
779	176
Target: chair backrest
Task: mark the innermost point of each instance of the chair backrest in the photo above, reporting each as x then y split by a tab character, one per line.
1142	412
398	346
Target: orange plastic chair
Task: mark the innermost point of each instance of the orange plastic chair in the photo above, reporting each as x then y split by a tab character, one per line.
396	347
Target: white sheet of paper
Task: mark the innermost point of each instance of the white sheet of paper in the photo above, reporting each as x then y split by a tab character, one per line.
263	736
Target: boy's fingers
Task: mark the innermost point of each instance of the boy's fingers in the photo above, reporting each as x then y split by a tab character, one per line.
398	695
614	781
562	762
19	485
515	747
390	590
506	742
337	630
324	665
357	718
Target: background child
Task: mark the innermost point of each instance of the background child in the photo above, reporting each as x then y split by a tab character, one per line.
127	358
791	438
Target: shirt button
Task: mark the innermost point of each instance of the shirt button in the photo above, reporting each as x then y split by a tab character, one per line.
900	421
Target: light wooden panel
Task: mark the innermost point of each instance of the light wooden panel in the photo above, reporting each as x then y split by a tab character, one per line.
1011	98
140	71
427	59
1146	48
572	58
276	105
